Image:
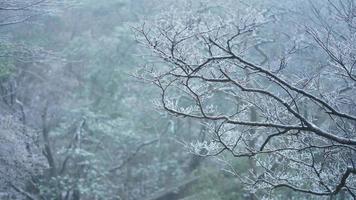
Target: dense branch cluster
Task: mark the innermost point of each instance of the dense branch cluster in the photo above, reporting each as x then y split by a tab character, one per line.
299	130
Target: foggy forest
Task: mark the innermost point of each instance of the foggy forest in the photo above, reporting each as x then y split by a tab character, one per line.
177	99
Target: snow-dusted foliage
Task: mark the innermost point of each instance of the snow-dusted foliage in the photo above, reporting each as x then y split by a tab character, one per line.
20	156
295	121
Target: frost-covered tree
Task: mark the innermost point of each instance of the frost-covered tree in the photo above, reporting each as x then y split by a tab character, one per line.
72	88
295	119
22	159
20	156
